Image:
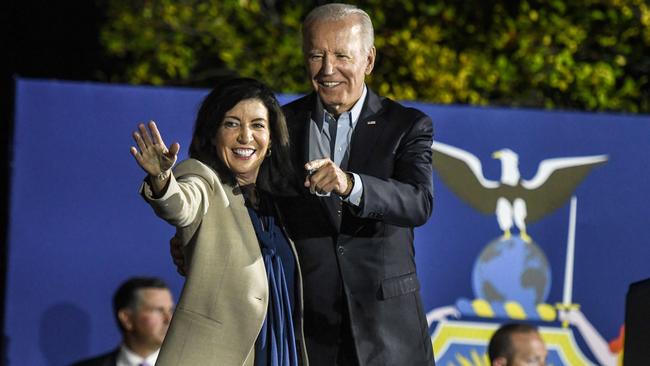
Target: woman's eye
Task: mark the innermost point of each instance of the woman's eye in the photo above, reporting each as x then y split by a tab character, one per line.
259	125
229	124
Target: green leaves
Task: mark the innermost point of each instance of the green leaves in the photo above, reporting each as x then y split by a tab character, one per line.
583	54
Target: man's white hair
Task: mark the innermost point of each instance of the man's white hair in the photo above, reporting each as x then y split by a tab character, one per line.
337	11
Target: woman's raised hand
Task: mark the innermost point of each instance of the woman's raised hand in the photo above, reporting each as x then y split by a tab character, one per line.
152	154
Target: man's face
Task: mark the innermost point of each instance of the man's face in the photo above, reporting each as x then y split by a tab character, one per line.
337	62
529	350
148	323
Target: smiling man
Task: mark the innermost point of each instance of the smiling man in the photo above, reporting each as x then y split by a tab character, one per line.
366	185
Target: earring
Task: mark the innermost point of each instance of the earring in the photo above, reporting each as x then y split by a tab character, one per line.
268	152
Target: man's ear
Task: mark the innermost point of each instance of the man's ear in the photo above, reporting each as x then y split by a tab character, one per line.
372	53
500	361
124	316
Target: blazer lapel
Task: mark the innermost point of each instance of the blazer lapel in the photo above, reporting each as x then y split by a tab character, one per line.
368	128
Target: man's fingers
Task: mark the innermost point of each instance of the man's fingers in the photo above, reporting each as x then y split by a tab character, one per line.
328	183
322	181
316	164
325	171
323	176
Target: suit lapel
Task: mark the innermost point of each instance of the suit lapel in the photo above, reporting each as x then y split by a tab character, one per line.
300	136
301	127
366	131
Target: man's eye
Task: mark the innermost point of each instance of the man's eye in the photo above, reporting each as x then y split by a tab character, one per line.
316	57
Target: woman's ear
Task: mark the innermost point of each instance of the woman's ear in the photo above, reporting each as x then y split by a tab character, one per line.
268	148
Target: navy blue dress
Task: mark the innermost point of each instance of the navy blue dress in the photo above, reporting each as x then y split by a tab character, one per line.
276	343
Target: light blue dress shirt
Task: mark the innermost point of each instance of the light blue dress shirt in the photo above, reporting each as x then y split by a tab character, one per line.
320	139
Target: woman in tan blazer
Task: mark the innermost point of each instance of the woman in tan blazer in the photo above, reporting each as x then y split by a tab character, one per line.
242	300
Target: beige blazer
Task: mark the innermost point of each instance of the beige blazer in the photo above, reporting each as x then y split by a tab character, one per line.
225	296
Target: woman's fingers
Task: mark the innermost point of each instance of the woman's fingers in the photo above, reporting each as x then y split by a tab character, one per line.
149	139
175	148
134	152
145	134
139	141
157	139
151	153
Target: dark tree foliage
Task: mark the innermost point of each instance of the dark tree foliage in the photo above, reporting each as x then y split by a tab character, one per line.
579	54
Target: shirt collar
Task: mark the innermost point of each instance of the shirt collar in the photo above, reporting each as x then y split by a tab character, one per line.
355	112
128	357
358	106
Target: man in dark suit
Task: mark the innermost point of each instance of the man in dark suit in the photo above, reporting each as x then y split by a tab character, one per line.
637	324
367	184
143	307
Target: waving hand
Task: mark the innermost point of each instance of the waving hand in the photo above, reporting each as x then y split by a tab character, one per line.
152	154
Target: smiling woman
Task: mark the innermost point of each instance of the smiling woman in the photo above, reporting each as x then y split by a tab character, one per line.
242	301
243	139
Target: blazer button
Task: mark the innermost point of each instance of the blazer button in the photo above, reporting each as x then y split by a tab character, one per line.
341	250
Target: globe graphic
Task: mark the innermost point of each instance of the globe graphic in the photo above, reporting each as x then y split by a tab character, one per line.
512	270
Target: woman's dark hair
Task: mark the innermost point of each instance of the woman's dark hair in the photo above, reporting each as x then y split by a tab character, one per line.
276	170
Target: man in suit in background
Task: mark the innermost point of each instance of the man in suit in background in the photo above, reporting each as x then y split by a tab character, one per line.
143	308
367	184
637	324
517	344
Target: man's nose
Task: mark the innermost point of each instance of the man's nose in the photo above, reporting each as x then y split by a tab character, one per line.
328	65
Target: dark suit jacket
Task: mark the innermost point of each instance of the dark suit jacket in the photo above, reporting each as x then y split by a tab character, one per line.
107	359
637	324
358	263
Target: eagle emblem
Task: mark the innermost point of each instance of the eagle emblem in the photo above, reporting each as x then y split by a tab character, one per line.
512	199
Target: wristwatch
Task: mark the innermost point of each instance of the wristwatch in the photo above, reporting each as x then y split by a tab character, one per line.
350	178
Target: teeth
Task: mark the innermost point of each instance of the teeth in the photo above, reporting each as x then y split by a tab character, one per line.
243	152
330	84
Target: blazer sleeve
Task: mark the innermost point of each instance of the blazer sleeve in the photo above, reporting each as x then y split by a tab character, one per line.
405	198
187	198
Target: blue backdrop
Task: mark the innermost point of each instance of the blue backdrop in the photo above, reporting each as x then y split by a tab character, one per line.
78	227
